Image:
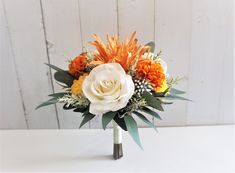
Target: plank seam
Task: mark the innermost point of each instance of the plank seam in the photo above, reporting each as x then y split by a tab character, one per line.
80	23
82	40
16	70
48	59
154	13
189	72
117	7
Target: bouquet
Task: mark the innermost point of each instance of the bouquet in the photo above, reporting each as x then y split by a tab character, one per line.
120	81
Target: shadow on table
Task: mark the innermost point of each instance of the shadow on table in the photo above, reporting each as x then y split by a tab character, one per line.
94	157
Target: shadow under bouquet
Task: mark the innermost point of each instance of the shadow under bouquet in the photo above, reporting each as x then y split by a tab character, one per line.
119	81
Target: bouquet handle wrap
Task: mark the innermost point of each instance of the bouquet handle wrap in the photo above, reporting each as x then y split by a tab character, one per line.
117	141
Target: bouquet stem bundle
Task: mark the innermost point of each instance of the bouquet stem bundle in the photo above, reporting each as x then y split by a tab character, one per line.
117	141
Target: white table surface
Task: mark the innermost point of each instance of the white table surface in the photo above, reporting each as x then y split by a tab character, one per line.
208	149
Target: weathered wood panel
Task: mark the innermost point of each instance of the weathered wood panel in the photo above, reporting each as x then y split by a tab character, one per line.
211	67
62	30
11	107
173	37
28	43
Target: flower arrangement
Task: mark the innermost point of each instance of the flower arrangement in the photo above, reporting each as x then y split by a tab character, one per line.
118	81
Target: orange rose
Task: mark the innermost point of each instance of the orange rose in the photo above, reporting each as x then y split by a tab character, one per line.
78	64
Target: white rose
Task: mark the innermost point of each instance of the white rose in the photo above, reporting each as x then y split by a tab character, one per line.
108	88
163	64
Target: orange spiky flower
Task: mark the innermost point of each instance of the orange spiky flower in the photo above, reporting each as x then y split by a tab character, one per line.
123	53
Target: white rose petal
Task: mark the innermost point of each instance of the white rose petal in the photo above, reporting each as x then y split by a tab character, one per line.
108	88
162	62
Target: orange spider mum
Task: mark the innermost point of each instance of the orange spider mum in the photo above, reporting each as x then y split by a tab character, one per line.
78	64
116	51
153	72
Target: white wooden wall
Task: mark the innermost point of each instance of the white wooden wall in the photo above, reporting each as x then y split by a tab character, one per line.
196	37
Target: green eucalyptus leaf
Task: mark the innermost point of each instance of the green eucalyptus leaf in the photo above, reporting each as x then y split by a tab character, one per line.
175	97
151	45
166	103
152	101
122	111
81	109
174	91
120	122
86	118
106	118
58	95
48	102
54	67
133	129
151	112
62	75
85	112
144	119
60	84
66	107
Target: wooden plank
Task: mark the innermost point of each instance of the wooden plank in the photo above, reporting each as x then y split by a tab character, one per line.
173	37
211	69
136	16
226	101
10	96
233	66
62	24
98	17
28	43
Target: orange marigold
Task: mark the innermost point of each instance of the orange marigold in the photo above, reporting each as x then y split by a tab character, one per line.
153	72
76	88
116	51
78	64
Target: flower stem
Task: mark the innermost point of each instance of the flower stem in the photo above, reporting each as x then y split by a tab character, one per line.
117	141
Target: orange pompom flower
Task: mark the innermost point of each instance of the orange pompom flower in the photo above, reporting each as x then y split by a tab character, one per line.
153	72
78	64
76	88
116	51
